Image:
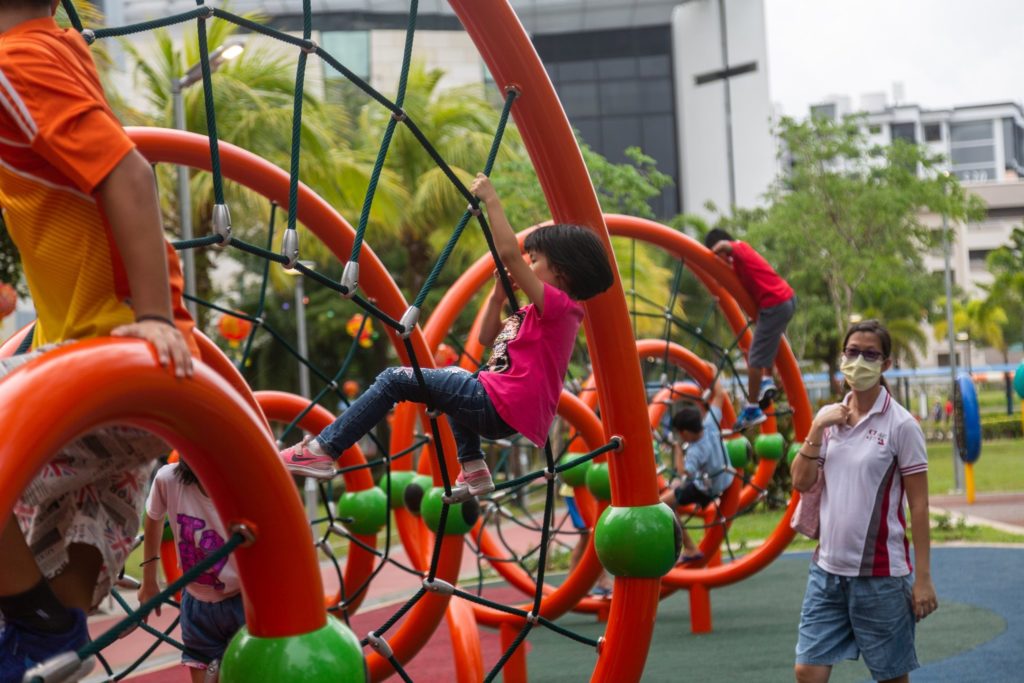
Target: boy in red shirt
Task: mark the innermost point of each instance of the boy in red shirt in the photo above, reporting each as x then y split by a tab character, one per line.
776	305
80	203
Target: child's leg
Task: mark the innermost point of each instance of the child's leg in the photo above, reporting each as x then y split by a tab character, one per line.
451	390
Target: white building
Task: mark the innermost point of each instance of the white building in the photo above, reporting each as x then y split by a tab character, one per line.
626	73
984	147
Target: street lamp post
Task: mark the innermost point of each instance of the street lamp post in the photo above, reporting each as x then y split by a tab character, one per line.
957	464
965	337
309	488
194	74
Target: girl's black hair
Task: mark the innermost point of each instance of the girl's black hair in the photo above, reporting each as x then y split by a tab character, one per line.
876	328
184	474
577	255
716	235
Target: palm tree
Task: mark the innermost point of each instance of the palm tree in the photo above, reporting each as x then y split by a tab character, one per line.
460	124
253	101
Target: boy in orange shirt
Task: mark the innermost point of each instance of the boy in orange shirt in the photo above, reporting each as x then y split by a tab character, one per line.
80	203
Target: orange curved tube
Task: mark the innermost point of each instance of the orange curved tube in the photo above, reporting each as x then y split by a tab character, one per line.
259	175
203	417
467	654
281	406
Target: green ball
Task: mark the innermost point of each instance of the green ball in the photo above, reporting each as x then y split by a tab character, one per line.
770	446
1018	380
368	510
639	542
575	476
331	653
399	480
794	448
739	451
461	516
599	481
414	492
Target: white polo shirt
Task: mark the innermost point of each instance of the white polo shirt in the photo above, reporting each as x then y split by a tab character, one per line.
863	521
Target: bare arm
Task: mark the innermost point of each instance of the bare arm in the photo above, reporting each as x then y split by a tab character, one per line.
153	530
129	200
490	323
506	244
804	470
722	248
718	396
925	601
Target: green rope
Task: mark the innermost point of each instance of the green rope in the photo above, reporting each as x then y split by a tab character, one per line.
261	306
121	31
211	118
69	8
389	131
300	78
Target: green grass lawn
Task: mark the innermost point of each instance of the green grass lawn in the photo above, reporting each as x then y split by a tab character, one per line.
1000	468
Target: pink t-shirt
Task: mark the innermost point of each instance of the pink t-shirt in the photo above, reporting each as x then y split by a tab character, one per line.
524	376
197	532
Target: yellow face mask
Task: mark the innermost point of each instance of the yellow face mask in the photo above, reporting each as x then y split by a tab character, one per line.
861	374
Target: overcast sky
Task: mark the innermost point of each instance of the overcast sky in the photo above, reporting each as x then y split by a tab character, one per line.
945	52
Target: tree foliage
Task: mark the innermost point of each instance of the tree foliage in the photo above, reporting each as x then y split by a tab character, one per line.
844	226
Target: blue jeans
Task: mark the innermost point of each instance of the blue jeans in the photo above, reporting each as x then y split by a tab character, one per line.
871	616
452	390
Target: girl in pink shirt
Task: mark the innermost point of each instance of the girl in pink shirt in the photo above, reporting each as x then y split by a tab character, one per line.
518	389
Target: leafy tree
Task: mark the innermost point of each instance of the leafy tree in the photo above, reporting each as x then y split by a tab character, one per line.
844	227
1007	290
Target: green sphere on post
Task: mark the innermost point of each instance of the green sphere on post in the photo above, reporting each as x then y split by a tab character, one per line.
739	451
415	490
599	481
329	654
461	516
575	476
639	542
770	446
399	480
368	510
794	448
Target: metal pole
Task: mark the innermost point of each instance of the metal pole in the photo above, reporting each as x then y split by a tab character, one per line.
957	465
310	488
729	152
185	205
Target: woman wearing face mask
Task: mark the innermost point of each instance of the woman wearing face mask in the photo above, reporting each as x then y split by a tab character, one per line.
862	598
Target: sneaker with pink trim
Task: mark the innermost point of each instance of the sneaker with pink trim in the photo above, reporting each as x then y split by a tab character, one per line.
471	484
299	459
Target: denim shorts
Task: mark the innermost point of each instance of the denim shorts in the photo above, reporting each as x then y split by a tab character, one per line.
846	616
208	627
574	515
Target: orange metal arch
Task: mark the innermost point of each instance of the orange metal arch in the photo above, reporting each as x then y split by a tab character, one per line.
283	407
511	58
203	417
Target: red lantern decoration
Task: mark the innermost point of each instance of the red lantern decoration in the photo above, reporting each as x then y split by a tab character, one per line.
367	335
233	328
8	300
351	388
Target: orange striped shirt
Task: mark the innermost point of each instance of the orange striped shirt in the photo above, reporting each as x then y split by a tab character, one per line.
59	140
